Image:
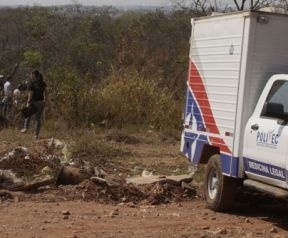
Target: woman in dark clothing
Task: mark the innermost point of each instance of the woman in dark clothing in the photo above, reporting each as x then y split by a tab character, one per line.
36	100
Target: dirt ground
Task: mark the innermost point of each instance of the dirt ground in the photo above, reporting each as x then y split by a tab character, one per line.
72	219
163	209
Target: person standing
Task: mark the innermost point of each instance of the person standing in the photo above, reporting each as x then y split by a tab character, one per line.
7	100
36	100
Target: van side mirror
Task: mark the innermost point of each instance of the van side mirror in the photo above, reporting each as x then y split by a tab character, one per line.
273	109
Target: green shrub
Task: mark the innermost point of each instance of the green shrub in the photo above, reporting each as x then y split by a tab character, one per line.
122	100
32	59
128	98
66	92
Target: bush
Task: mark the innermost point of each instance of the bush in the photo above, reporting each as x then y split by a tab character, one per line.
124	99
128	98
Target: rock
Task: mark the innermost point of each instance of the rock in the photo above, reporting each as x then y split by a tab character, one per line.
177	170
174	214
128	204
146	173
66	212
50	198
273	230
114	213
205	228
280	236
247	220
220	231
249	235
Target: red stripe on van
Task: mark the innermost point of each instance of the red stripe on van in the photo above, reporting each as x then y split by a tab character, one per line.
196	84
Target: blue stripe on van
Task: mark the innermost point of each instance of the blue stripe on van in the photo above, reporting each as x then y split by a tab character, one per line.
267	170
230	165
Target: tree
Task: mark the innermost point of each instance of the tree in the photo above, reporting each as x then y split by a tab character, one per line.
253	4
199	7
283	4
78	48
206	6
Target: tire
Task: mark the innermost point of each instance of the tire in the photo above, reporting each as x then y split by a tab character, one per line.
219	190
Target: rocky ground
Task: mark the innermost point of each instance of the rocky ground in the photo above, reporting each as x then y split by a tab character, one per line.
100	203
48	215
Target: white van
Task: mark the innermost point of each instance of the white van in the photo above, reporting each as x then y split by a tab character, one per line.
236	110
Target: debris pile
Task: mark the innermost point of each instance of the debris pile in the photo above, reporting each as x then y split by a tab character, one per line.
168	191
23	163
22	171
91	190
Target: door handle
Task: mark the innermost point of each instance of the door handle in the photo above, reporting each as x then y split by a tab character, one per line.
255	127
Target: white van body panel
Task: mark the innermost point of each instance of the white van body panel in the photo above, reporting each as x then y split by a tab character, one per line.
231	58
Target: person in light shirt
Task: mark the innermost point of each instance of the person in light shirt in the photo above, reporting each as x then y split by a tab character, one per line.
7	100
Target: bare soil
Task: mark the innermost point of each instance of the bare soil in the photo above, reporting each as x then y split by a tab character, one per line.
162	209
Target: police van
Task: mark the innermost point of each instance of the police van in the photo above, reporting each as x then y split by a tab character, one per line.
236	108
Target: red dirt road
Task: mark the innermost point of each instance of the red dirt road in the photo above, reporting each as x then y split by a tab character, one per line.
79	219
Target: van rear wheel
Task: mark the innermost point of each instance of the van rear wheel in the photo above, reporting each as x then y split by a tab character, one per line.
219	190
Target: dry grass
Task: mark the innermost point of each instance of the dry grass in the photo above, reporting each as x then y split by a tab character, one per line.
119	151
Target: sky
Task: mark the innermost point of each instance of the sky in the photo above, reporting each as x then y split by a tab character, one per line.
85	2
